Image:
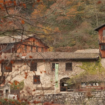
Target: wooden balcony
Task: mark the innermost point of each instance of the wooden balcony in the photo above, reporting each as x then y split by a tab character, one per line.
102	40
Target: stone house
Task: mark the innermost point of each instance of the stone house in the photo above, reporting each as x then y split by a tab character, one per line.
37	70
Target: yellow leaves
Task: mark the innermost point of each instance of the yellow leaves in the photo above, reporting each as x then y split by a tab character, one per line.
47	30
51	48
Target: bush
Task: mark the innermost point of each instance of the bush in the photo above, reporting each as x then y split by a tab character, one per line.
11	102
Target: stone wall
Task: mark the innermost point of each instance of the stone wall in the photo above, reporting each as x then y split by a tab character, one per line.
74	98
47	76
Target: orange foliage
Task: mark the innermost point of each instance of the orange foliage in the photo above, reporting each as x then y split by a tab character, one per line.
26	74
30	56
38	0
45	71
22	21
34	90
7	68
36	102
14	3
99	2
10	82
16	82
12	62
24	5
35	80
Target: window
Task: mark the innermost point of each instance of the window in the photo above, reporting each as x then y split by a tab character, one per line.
6	67
104	33
33	42
42	49
31	48
53	66
102	47
36	48
33	66
25	48
1	92
69	66
2	79
36	79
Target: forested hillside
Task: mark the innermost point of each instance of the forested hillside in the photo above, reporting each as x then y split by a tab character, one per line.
64	23
72	22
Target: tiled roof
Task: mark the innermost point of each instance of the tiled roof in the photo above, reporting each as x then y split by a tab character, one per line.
17	38
87	51
50	55
99	27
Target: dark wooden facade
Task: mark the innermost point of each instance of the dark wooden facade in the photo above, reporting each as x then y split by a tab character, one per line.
101	37
27	45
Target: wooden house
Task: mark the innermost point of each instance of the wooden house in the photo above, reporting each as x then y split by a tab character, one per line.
101	37
22	44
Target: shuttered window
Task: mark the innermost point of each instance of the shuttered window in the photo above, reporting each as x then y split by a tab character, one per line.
69	66
33	66
102	47
6	67
2	79
36	48
36	79
42	49
53	66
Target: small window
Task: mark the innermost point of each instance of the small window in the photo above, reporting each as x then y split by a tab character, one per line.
33	66
36	79
31	48
6	67
69	66
102	47
33	42
42	49
53	66
25	48
1	92
36	48
2	79
104	33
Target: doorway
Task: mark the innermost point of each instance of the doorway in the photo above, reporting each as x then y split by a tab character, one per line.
63	84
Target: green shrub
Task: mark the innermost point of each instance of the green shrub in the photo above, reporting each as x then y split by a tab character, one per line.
11	102
18	86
